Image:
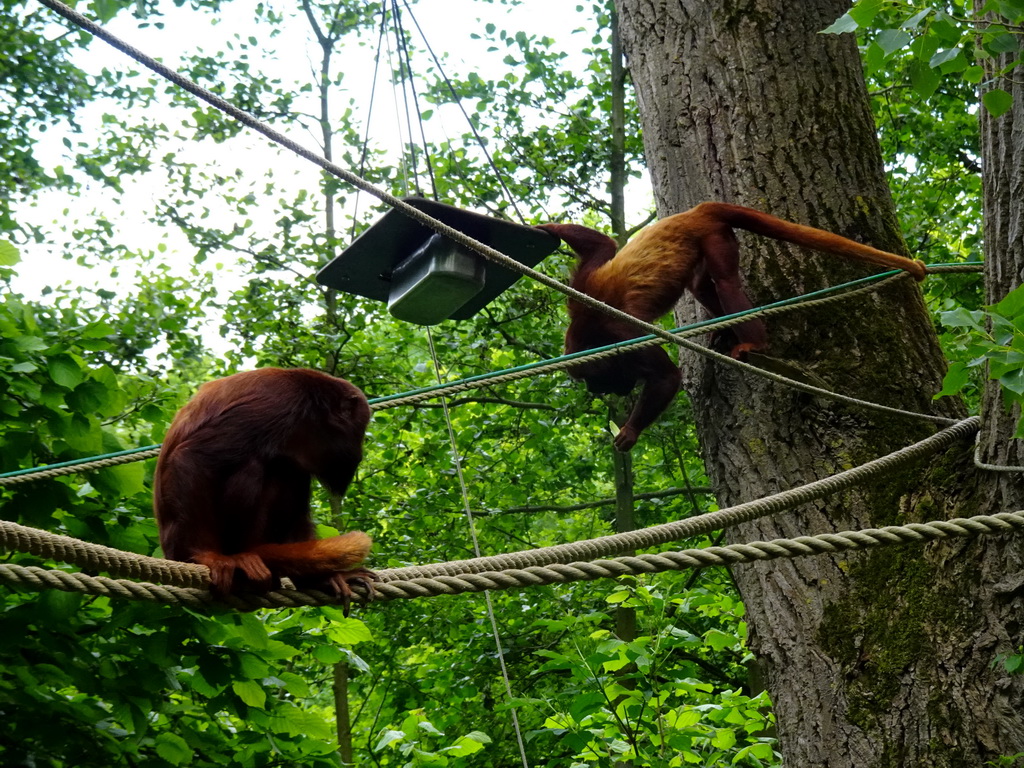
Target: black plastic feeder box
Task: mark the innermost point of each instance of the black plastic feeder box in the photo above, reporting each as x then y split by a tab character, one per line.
424	277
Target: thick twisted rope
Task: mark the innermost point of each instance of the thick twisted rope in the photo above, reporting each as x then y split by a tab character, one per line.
656	535
97	557
33	578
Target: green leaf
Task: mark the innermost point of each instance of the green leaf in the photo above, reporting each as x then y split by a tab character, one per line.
585	704
1001	43
844	23
718	640
469	744
1012	304
973	74
924	79
428	727
724	738
250	692
252	631
1013	10
914	21
997	101
348	631
65	371
942	56
295	684
328	654
945	29
9	254
1013	381
127	479
300	723
173	748
864	11
892	40
57	607
29	343
89	397
388	737
874	58
253	667
955	380
963	318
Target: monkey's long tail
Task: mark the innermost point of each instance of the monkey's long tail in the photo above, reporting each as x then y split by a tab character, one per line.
309	558
764	224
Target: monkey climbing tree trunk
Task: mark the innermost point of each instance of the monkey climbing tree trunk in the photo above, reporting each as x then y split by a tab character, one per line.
886	658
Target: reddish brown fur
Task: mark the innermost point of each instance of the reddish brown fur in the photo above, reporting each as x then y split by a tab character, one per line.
695	250
232	484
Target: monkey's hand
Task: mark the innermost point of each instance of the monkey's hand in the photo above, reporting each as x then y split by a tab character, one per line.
626	438
739	352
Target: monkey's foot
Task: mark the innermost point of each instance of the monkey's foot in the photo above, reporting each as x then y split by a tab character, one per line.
342	582
223	567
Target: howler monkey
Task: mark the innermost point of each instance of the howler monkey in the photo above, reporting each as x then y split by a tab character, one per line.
232	484
695	250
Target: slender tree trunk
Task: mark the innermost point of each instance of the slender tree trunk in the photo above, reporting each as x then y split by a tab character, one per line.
617	164
625	618
343	722
872	659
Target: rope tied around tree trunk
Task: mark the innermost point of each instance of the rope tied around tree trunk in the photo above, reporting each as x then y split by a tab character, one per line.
560	559
395	587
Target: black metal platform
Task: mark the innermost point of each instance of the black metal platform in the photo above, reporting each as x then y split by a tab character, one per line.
367	266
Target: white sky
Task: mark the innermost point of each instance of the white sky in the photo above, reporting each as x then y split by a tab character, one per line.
294	57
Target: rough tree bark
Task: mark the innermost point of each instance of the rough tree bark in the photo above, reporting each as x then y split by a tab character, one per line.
872	659
1002	150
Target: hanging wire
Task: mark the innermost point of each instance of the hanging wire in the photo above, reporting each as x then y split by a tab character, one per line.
406	58
369	115
405	100
458	102
471	521
403	164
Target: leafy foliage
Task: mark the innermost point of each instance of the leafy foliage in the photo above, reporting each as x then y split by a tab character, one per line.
944	41
215	274
988	340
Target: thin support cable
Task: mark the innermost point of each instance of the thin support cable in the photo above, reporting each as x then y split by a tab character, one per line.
405	57
990	467
540	367
458	102
369	114
457	460
405	95
402	160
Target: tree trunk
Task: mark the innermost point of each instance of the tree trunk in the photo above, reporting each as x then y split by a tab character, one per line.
343	721
872	659
1002	149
